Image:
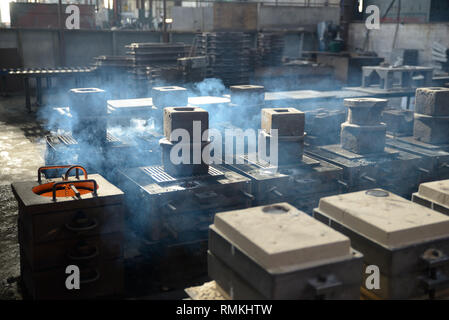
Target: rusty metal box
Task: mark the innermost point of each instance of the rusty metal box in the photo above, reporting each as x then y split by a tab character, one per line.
70	221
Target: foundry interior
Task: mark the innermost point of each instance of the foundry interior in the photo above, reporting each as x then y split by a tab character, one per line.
224	150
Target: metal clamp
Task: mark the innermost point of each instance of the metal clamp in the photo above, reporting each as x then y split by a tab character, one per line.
444	165
423	170
344	184
368	178
434	260
275	191
169	206
39	171
64	183
323	286
248	195
66	176
205	196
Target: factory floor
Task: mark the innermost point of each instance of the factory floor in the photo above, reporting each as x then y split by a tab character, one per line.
21	153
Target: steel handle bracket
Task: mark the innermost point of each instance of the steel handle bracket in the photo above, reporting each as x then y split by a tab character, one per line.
323	286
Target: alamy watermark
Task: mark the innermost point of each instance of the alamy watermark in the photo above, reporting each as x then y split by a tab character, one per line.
73	20
72	282
212	152
373	20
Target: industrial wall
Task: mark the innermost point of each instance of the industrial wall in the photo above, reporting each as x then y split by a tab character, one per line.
409	36
269	17
40	47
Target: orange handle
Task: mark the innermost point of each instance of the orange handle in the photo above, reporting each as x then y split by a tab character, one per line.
66	177
39	171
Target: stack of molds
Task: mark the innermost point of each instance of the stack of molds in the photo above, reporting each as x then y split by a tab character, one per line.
89	143
363	132
432	115
365	160
228	54
247	100
298	178
195	122
408	243
58	228
434	195
270	47
279	252
289	123
172	205
88	107
171	96
247	95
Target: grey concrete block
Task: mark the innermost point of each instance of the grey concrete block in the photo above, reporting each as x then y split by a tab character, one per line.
169	96
432	101
88	102
184	118
183	169
290	148
431	129
363	139
288	121
365	111
247	95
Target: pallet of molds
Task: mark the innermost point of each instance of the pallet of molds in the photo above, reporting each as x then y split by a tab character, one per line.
295	177
278	252
405	245
228	54
96	158
434	195
362	154
172	214
89	142
270	47
431	120
171	205
436	162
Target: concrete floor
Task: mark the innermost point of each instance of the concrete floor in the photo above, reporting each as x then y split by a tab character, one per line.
21	153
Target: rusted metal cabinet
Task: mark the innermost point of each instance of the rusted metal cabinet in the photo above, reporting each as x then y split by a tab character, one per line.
81	226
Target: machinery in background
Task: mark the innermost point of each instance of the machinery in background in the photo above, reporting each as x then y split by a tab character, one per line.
329	37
